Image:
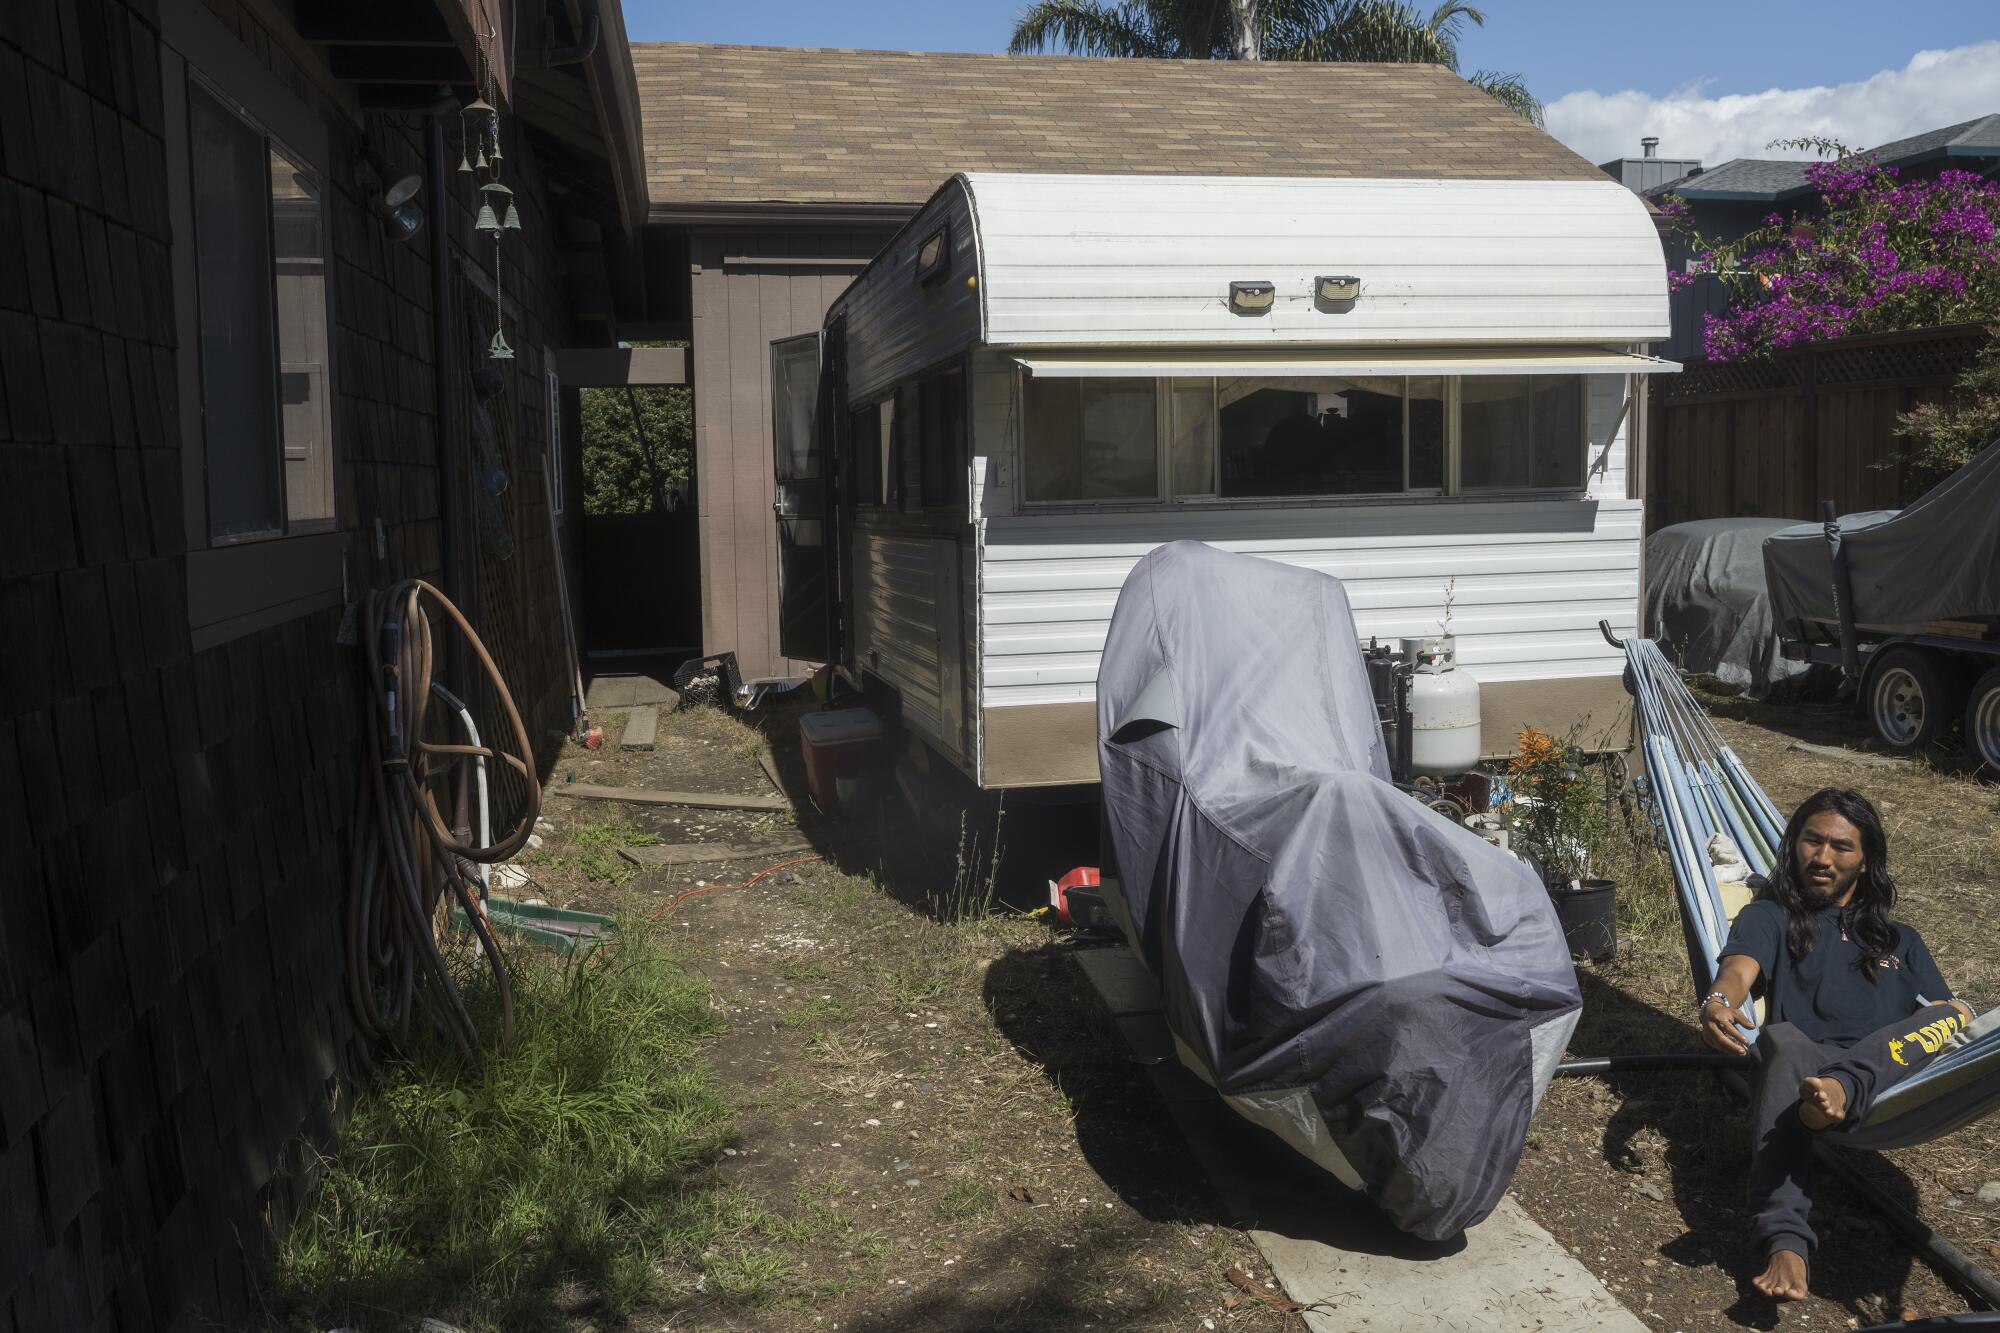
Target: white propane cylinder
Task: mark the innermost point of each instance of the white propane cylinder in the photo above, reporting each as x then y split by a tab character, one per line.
1444	709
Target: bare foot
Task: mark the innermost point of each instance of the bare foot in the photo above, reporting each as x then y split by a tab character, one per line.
1822	1103
1784	1277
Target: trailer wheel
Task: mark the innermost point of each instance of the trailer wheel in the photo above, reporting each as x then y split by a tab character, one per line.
1913	698
1982	721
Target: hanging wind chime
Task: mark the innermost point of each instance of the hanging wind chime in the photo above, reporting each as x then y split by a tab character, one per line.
479	136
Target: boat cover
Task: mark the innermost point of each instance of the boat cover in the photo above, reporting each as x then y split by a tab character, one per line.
1938	559
1707	604
1384	990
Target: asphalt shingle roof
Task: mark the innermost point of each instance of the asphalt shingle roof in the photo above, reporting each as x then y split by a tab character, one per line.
1764	178
757	124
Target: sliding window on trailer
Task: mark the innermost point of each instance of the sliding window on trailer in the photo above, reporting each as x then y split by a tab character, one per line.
909	452
1140	441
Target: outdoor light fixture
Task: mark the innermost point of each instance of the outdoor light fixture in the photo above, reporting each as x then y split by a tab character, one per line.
1339	290
1252	298
391	197
934	255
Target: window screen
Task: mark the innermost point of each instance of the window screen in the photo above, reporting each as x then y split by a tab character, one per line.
239	386
1521	432
299	282
1092	439
1333	436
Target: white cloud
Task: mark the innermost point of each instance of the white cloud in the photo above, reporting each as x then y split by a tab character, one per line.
1936	88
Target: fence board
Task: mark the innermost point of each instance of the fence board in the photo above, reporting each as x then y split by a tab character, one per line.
1775	437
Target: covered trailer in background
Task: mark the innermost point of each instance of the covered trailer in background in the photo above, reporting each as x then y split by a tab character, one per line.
1424	387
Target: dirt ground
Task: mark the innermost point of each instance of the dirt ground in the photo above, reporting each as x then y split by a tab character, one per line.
950	1136
935	1126
1641	1174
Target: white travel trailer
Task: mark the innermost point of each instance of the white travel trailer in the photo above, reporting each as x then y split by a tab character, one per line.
1423	387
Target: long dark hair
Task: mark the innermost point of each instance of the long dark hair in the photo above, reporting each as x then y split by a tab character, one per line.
1870	916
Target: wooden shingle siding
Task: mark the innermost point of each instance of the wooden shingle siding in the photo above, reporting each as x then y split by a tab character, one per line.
751	124
174	825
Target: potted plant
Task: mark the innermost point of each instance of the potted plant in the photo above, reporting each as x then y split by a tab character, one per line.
1559	823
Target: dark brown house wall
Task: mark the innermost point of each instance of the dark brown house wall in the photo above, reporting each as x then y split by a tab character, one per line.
174	825
740	307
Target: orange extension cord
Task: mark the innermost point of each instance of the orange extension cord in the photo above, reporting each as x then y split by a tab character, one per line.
406	859
711	888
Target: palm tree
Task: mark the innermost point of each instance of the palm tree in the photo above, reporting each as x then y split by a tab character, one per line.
1380	30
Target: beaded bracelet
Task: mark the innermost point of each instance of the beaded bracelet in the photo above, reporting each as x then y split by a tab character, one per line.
1702	1008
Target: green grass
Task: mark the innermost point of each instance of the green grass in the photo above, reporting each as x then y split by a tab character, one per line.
611	835
968	1198
567	1169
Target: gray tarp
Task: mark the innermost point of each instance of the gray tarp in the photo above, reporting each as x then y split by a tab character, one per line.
1939	559
1706	601
1381	988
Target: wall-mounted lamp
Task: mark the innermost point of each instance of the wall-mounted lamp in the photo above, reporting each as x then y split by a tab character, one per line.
1252	298
391	197
1339	290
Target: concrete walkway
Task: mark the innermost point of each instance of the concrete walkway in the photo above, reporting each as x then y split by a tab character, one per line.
1330	1248
608	691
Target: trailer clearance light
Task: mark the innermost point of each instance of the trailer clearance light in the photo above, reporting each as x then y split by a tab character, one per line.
1251	298
1340	291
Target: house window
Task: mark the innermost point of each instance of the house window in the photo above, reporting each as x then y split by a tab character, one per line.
1256	438
554	464
1092	439
260	289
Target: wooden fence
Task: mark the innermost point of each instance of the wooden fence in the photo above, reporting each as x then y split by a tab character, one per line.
1773	438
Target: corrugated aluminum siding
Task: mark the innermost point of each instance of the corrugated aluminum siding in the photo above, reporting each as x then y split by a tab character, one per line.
898	326
908	613
1069	260
1531	577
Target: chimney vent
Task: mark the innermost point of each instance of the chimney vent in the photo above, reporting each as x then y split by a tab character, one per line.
1650	145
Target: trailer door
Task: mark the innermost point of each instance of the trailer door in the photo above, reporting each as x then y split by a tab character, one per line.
799	501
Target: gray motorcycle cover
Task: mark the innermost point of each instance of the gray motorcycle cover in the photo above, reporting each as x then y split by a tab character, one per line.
1938	559
1387	992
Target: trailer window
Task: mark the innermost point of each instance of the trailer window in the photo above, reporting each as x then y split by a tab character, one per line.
941	418
872	432
1092	439
1521	432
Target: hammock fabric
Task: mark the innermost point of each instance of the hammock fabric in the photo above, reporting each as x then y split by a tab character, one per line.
1700	788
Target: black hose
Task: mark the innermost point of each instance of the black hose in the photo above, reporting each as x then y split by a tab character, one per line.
1633	1064
1940	1323
1954	1261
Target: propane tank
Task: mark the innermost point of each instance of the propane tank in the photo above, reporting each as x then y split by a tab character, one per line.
1444	709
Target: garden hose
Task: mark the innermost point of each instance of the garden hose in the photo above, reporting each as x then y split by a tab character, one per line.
409	867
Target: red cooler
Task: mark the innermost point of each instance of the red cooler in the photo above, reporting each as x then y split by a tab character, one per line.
832	741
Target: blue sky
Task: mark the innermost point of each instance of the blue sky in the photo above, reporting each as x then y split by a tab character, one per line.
1712	78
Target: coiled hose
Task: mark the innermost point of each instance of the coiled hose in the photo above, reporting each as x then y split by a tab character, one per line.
409	867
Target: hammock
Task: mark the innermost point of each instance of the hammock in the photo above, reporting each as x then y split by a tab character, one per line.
1699	788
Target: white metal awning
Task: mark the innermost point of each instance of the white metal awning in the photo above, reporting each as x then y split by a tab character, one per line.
1308	362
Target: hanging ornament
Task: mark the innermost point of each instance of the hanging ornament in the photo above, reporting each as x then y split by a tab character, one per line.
463	165
487	220
512	222
498	350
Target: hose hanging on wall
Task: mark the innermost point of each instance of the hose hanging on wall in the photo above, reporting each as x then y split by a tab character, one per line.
409	867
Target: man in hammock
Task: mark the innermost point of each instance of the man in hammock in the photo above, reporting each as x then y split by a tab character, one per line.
1853	1005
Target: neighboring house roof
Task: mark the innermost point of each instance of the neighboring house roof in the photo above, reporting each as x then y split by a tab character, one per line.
758	125
1739	178
1761	179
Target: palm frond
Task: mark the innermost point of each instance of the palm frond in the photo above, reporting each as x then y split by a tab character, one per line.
1086	28
1388	31
1509	91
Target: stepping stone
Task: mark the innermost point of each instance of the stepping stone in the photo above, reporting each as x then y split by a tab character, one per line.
642	725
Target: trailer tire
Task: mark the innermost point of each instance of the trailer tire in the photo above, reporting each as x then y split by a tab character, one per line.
1982	722
1913	697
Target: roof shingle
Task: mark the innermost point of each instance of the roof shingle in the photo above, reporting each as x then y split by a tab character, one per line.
761	124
